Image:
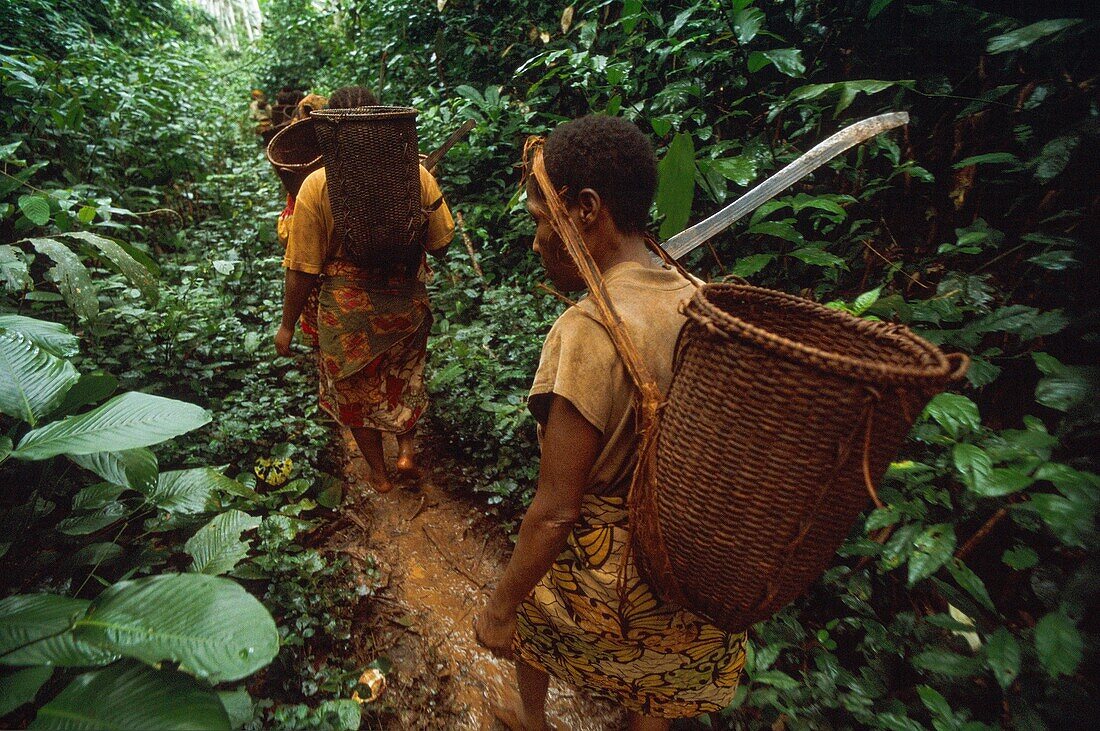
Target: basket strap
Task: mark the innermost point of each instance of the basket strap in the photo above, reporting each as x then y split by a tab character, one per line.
651	396
653	245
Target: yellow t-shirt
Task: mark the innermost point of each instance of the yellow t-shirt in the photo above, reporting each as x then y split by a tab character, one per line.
310	243
579	362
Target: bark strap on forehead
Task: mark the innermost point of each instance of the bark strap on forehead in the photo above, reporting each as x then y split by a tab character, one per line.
532	147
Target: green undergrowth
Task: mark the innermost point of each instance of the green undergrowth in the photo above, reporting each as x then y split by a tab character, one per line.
968	601
141	286
137	216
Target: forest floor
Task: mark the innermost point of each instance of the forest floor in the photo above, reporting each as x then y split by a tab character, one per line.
436	555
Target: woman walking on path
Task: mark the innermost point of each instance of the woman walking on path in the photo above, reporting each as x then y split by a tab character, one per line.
373	323
308	322
559	608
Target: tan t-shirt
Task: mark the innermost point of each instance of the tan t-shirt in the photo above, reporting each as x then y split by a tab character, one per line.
579	362
310	244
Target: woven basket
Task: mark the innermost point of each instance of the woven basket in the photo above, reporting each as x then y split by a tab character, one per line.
282	113
268	133
373	169
294	153
781	415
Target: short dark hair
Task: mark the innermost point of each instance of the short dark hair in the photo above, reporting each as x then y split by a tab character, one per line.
349	97
611	156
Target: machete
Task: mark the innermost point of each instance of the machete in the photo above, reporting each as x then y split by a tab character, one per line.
433	159
845	139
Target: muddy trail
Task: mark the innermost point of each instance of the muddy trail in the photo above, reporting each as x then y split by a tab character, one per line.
437	555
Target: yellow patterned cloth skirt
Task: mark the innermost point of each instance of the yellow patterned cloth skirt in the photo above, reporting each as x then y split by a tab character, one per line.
651	657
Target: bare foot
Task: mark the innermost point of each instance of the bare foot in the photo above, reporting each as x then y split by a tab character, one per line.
380	486
506	710
406	467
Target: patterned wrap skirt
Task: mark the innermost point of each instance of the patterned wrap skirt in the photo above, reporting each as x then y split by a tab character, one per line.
622	643
372	332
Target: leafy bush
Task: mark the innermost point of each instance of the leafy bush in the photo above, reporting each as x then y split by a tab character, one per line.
209	627
122	128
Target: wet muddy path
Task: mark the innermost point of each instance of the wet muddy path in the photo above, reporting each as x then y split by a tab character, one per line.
436	555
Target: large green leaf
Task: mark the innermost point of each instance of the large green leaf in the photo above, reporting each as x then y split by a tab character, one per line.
188	491
970	581
71	276
1071	517
95	554
26	618
1063	387
1058	643
63	651
974	464
747	22
33	382
131	696
676	184
946	663
90	389
20	687
217	546
1002	654
96	496
132	269
934	701
125	422
1023	37
85	524
133	468
931	549
956	414
238	706
52	337
740	169
786	60
14	273
36	208
209	625
848	90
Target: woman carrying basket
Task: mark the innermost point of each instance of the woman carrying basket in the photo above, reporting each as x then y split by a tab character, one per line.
373	323
570	602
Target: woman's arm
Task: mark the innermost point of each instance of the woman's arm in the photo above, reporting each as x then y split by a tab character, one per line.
295	294
570	446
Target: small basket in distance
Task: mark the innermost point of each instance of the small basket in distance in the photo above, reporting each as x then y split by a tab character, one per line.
295	153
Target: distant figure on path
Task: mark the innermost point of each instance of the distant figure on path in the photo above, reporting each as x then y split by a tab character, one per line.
373	323
259	111
559	608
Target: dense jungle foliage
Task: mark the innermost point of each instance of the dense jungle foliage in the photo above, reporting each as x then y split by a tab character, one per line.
156	458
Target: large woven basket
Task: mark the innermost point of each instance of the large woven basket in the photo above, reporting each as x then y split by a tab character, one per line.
781	415
295	153
268	133
373	169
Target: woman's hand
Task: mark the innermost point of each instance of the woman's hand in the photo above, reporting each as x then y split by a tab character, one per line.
494	631
283	339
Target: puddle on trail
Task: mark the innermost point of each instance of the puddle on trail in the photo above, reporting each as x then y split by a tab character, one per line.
437	554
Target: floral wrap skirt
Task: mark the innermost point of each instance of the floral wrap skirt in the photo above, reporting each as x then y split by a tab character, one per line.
621	642
372	333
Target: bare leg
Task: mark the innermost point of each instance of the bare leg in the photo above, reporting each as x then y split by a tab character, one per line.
406	453
532	696
370	444
638	722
